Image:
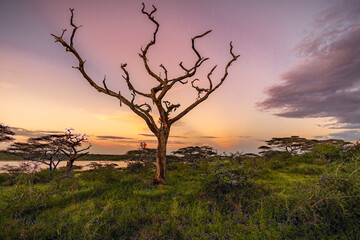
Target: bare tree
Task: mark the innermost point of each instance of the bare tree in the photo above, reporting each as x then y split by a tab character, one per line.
160	128
70	148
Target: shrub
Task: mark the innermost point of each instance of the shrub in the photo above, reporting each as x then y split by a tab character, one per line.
135	167
229	185
327	207
328	152
3	178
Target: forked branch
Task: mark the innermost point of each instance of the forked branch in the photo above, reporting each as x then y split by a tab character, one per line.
152	42
208	91
139	110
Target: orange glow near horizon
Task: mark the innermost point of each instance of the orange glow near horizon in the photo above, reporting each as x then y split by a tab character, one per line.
39	89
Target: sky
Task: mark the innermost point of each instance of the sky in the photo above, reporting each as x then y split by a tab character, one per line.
298	73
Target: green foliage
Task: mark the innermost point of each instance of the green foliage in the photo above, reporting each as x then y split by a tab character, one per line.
230	186
3	178
135	167
6	156
140	159
285	197
328	152
195	153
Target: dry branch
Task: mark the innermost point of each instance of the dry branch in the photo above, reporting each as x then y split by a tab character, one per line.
158	92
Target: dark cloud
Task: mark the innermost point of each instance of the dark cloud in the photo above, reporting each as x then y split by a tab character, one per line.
211	137
178	136
152	135
326	81
32	133
146	134
348	135
113	138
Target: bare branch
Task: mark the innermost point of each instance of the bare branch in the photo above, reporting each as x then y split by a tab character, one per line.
148	108
184	68
191	72
74	27
158	92
70	48
211	88
130	86
165	71
200	90
209	77
120	99
171	107
63	31
107	90
152	42
193	42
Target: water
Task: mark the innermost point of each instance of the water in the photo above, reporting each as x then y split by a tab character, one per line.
83	164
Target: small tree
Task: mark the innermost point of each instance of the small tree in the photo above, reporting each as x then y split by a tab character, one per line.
70	148
51	149
160	128
5	133
144	155
292	145
45	150
194	154
332	149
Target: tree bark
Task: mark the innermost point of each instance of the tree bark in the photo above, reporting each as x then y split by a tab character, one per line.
69	166
161	167
157	93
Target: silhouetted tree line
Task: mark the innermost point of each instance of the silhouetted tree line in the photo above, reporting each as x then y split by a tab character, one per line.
296	145
49	149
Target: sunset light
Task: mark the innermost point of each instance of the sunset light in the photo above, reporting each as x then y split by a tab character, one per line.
297	73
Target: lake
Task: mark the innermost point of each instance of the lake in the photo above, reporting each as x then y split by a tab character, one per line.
83	164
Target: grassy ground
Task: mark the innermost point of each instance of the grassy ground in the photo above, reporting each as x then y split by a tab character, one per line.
255	198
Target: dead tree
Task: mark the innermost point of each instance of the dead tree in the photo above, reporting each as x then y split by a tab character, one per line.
71	143
160	128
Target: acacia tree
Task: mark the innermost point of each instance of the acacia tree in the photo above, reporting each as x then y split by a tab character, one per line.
291	145
70	148
160	128
5	133
51	149
45	150
195	153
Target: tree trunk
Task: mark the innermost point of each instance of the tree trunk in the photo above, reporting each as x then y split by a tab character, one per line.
69	166
161	168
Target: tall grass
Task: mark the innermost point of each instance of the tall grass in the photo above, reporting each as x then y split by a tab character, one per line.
284	197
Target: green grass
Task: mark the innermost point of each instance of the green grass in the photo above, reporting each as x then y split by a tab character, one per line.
222	199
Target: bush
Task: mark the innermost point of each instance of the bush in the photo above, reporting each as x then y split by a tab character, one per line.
229	185
3	178
135	167
328	152
327	207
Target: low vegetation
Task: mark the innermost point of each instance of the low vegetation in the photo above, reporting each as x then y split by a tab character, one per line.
314	195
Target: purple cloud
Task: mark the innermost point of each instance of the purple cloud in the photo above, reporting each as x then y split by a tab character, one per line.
113	138
152	135
326	81
32	133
